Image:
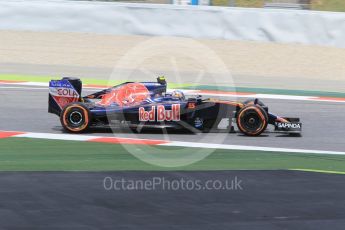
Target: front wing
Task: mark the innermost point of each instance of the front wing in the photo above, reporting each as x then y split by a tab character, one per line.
293	126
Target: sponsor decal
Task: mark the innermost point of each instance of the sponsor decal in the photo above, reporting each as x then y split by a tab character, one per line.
288	125
191	105
62	89
159	113
147	115
126	95
60	83
198	123
63	92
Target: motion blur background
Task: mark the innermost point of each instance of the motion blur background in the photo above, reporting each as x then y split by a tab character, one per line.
324	5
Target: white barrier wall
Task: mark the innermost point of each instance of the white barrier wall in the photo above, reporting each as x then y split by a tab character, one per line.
286	26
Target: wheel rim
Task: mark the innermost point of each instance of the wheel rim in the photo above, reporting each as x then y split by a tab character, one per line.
76	118
251	121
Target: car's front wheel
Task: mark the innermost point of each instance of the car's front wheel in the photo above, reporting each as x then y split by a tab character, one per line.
252	120
75	118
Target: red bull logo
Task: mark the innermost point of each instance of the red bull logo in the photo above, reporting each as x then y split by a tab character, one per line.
147	115
162	114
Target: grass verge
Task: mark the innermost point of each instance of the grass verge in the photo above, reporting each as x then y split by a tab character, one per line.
268	91
323	5
86	81
24	154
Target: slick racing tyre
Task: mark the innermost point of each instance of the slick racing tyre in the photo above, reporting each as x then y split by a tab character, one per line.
252	101
75	118
252	120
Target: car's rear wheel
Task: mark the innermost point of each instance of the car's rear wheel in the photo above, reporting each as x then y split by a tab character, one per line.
252	120
75	118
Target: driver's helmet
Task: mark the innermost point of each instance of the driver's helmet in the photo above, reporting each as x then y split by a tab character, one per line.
178	94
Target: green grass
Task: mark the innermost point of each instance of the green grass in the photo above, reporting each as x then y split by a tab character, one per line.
23	154
323	5
329	5
269	91
239	3
33	78
86	81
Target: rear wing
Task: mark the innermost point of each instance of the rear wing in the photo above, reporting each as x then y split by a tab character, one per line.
63	92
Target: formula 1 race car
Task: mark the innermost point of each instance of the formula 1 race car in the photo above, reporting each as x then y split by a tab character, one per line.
145	105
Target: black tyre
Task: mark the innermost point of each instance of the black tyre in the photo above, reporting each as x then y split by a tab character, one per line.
75	118
252	120
252	101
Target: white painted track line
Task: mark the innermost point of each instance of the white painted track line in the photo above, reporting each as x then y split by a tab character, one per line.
74	137
248	148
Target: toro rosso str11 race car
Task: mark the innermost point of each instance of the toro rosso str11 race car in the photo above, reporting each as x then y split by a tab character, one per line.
147	105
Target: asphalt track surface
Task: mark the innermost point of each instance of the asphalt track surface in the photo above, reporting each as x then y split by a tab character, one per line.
260	200
25	109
